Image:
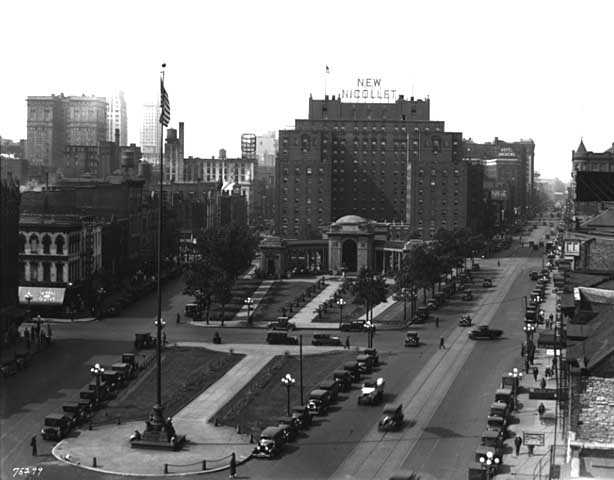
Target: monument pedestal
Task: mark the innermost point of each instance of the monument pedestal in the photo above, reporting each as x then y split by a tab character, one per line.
159	433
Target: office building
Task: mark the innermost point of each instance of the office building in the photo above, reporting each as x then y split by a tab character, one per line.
117	118
151	130
9	266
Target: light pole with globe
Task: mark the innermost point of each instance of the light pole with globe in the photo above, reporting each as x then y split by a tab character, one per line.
341	302
489	462
288	381
249	301
370	326
515	375
97	371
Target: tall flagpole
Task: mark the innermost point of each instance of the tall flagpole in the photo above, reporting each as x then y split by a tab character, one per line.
159	266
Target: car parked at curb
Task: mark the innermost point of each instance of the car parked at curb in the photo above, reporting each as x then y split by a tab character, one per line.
324	339
281	338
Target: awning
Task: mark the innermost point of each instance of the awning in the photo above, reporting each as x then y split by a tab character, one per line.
42	295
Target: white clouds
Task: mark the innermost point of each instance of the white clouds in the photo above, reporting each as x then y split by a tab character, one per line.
515	69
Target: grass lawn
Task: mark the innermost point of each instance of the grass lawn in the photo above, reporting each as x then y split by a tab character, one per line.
186	373
264	399
280	294
242	289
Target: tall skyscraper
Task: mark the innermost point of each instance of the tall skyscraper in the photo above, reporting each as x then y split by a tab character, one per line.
57	121
150	133
117	118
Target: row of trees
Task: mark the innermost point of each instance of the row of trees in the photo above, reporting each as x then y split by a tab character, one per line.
425	264
223	253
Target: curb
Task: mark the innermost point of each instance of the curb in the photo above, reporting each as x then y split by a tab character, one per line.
240	461
58	321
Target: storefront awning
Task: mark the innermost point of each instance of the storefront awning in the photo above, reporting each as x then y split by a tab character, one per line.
42	295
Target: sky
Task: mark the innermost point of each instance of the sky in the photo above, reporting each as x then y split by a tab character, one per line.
510	69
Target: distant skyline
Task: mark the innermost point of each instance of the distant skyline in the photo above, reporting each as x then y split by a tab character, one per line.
514	70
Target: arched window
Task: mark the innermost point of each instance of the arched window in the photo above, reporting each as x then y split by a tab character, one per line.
59	245
33	243
46	244
59	272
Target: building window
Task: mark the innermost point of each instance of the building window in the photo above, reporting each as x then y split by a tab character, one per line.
34	271
46	272
59	245
33	243
59	272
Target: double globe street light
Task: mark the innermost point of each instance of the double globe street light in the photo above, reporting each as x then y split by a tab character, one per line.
249	301
370	326
341	302
288	381
515	375
97	371
489	463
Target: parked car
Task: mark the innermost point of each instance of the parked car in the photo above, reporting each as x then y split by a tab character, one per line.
372	352
372	392
354	326
422	315
365	363
324	339
331	386
353	369
75	413
412	339
130	359
484	332
467	296
432	305
318	402
270	443
143	340
302	415
56	426
343	379
281	338
392	417
282	323
289	426
465	321
487	282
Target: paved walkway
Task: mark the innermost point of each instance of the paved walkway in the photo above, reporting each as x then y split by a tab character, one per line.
257	297
110	446
380	454
305	316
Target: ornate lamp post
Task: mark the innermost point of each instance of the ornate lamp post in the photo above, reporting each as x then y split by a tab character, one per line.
404	292
529	328
287	381
489	462
249	301
370	327
341	302
516	375
28	297
97	371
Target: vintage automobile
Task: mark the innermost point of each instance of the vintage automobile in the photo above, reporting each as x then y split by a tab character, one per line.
504	395
372	352
412	339
56	426
497	423
124	370
493	439
500	409
343	379
432	305
290	426
422	314
270	443
281	338
320	339
353	369
318	402
467	295
392	417
88	396
282	323
365	363
301	414
465	320
484	332
354	326
332	386
486	283
143	340
104	391
113	380
130	359
372	392
75	413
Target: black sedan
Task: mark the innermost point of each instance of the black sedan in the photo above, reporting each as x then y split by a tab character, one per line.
324	339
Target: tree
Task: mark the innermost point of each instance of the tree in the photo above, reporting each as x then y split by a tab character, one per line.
369	289
419	268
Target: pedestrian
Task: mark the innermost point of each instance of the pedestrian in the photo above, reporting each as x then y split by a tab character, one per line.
542	384
233	466
526	366
541	409
517	443
437	322
535	373
33	445
347	342
441	343
178	318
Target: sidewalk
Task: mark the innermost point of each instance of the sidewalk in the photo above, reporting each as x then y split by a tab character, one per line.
109	444
305	316
527	416
257	297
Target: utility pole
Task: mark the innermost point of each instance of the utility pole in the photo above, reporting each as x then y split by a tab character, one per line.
300	364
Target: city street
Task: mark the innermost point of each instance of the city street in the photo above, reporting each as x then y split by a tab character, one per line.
442	450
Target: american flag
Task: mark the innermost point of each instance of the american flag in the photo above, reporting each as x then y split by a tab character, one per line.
165	116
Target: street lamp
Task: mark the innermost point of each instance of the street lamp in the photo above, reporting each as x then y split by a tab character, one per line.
529	328
516	375
370	327
488	462
341	302
287	381
97	371
29	298
249	301
404	292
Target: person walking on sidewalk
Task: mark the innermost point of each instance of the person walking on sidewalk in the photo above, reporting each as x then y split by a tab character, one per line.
535	373
347	342
542	384
233	466
33	445
442	343
517	443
